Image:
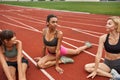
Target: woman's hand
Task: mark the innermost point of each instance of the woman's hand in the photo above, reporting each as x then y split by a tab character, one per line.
59	70
92	75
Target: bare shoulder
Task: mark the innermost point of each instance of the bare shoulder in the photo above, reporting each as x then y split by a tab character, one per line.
103	37
60	33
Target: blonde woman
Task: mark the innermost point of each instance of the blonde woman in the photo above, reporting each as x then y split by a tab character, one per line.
111	43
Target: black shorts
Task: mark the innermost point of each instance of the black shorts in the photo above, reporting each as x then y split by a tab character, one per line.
113	64
14	64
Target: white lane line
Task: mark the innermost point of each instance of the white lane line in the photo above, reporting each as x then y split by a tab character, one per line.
42	70
83	24
78	41
85	33
43	22
20	23
41	32
28	19
16	25
75	29
78	29
90	31
59	20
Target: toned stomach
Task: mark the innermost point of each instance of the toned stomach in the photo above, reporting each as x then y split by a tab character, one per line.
51	49
111	56
11	59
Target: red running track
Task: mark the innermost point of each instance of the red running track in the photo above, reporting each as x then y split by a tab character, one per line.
77	28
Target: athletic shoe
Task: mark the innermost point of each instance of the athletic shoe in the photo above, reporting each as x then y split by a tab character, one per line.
115	74
65	59
88	44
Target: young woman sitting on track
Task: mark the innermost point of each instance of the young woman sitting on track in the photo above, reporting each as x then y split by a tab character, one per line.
52	39
111	42
11	57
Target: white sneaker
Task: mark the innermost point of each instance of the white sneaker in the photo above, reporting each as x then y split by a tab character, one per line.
65	59
115	74
88	44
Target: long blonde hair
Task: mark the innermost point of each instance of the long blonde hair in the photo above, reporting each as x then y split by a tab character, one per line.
116	20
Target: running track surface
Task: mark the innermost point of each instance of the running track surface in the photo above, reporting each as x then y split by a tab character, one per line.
77	27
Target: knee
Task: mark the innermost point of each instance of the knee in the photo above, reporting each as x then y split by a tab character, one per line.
88	68
14	76
40	65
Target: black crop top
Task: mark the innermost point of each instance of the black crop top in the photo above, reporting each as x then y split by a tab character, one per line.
114	49
53	42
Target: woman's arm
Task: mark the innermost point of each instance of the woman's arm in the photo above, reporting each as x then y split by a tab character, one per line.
99	53
60	36
4	65
43	50
44	46
19	58
98	56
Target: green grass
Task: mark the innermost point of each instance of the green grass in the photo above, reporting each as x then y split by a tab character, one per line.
108	8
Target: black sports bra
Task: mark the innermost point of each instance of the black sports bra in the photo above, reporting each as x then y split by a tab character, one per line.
114	49
53	42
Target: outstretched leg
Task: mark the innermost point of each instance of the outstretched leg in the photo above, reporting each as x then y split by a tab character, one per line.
78	50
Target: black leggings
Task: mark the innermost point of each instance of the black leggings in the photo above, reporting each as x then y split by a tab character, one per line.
113	64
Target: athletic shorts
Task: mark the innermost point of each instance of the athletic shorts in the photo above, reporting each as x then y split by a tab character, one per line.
63	51
14	64
113	64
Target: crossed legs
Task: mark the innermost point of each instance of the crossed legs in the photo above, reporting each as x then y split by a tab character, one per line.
103	69
50	60
47	61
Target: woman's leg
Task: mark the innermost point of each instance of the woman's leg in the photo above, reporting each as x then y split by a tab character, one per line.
103	69
78	50
12	72
24	69
47	61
